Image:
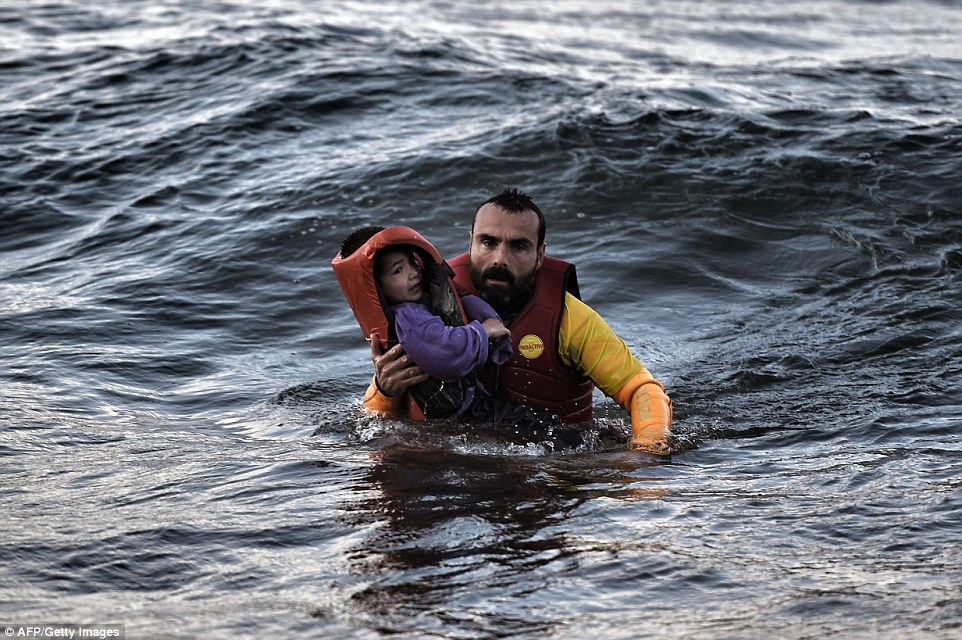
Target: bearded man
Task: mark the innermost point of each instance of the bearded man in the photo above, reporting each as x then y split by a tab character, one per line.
562	347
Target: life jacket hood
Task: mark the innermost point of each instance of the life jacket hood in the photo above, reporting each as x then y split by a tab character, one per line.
356	275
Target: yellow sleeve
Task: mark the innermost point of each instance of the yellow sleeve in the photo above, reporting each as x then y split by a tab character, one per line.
588	345
381	405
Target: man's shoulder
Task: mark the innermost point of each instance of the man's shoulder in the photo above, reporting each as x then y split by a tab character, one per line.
578	313
574	304
555	263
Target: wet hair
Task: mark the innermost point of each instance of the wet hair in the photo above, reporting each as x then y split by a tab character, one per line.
357	239
515	201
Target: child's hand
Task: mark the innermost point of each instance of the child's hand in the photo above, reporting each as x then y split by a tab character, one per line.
495	329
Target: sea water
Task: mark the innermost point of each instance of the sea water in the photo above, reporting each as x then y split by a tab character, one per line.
763	199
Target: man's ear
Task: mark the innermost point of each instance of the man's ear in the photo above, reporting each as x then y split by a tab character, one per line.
541	249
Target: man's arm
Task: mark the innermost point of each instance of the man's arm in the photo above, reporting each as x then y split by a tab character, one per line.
394	373
383	406
587	344
650	413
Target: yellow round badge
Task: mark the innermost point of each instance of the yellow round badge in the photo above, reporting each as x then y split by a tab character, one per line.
531	346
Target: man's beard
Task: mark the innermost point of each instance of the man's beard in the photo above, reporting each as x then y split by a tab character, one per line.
509	298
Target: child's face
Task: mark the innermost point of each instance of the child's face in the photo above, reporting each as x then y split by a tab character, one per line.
399	276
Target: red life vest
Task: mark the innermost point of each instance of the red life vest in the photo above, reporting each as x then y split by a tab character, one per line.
358	281
535	375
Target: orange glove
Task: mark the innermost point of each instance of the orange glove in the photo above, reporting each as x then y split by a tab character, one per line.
381	405
644	398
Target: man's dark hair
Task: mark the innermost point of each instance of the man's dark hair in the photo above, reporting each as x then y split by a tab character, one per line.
514	201
357	239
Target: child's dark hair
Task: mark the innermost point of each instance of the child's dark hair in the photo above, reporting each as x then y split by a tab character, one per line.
357	239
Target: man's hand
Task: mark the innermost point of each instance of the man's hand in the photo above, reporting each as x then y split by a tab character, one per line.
654	447
394	371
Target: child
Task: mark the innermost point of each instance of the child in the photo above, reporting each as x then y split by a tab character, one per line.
414	302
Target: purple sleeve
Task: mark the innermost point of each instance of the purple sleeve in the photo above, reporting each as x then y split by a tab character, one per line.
448	353
479	310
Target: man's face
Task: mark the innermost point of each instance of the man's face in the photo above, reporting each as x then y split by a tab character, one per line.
505	257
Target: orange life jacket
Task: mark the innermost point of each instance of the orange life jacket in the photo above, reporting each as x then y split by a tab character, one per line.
358	281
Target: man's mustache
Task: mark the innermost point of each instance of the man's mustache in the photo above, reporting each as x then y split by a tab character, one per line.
498	273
